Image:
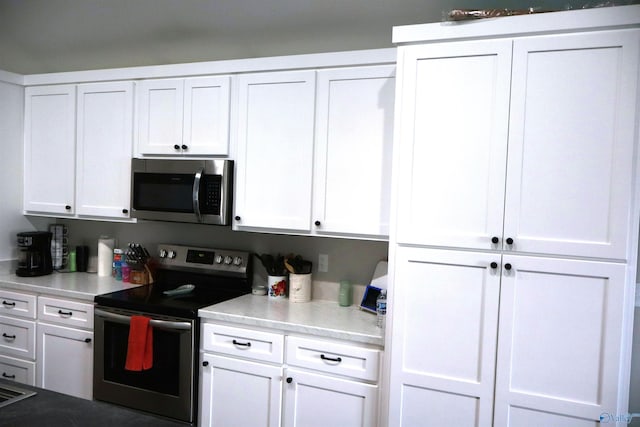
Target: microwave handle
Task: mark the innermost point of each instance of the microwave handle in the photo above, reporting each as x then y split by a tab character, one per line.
196	194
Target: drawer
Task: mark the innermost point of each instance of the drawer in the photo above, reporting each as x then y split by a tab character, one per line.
20	371
65	312
248	343
17	304
17	337
333	357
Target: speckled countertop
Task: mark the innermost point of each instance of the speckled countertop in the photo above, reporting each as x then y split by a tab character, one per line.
319	318
80	286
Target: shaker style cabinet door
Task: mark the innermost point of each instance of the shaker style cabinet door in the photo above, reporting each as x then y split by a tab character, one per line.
354	137
49	153
452	136
571	144
105	142
239	393
559	348
445	327
160	109
275	149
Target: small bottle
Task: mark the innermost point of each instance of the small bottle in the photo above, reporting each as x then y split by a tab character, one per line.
381	308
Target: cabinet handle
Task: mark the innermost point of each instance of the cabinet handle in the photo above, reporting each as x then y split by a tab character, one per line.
331	359
317	223
507	266
494	240
494	265
205	363
87	340
237	218
9	337
68	207
185	147
176	147
125	211
241	344
509	241
11	377
289	380
65	313
8	304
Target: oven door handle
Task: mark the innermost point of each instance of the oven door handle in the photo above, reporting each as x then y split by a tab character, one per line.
165	324
196	194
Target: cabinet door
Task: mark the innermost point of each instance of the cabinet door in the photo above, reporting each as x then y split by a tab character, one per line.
452	133
354	137
275	150
320	400
49	155
105	138
445	323
65	360
559	348
206	116
571	144
239	393
18	370
160	115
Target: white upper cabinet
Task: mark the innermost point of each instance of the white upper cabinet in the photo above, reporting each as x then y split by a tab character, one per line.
49	155
568	173
353	150
275	150
184	116
105	140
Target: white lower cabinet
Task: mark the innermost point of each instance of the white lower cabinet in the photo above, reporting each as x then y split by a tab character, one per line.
261	378
18	336
18	370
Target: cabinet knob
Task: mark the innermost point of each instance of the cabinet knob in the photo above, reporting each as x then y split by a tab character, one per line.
184	147
509	241
87	340
177	147
507	266
205	363
494	265
289	380
237	218
317	223
494	240
68	207
125	211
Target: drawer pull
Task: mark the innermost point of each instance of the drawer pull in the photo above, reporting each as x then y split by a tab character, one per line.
11	377
8	304
331	359
65	313
241	344
9	337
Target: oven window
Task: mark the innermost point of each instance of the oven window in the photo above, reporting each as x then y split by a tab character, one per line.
163	192
163	377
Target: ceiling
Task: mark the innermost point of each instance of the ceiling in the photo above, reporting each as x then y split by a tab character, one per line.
43	36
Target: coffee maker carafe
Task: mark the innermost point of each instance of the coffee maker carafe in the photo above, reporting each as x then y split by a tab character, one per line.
34	253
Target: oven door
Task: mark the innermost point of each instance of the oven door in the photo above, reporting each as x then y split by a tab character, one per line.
168	387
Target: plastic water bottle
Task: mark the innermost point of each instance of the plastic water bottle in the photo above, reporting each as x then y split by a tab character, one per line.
381	308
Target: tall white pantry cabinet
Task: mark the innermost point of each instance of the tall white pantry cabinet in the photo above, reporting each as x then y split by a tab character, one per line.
515	220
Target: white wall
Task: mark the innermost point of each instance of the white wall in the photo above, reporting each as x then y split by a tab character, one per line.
11	166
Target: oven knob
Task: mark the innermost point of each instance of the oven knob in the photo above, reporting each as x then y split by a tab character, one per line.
228	260
163	253
218	259
171	254
237	261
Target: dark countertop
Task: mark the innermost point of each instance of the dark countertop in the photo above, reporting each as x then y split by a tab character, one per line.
51	409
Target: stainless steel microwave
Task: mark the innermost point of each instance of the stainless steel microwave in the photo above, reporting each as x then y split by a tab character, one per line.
198	191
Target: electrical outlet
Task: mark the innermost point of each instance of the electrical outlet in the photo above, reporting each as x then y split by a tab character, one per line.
323	263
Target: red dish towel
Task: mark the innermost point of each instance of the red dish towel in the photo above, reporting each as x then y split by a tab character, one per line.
140	345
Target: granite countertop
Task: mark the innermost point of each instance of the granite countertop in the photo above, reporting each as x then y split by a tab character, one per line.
319	318
48	408
80	286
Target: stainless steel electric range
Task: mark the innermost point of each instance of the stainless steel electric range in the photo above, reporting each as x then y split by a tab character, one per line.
169	387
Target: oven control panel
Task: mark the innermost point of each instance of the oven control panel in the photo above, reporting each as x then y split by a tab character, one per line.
206	260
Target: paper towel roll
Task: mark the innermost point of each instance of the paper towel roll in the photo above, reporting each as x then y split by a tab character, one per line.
105	255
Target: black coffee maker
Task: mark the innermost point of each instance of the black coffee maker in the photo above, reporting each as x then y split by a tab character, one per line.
34	254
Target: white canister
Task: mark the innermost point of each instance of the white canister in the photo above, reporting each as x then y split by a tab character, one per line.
105	255
277	286
300	287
